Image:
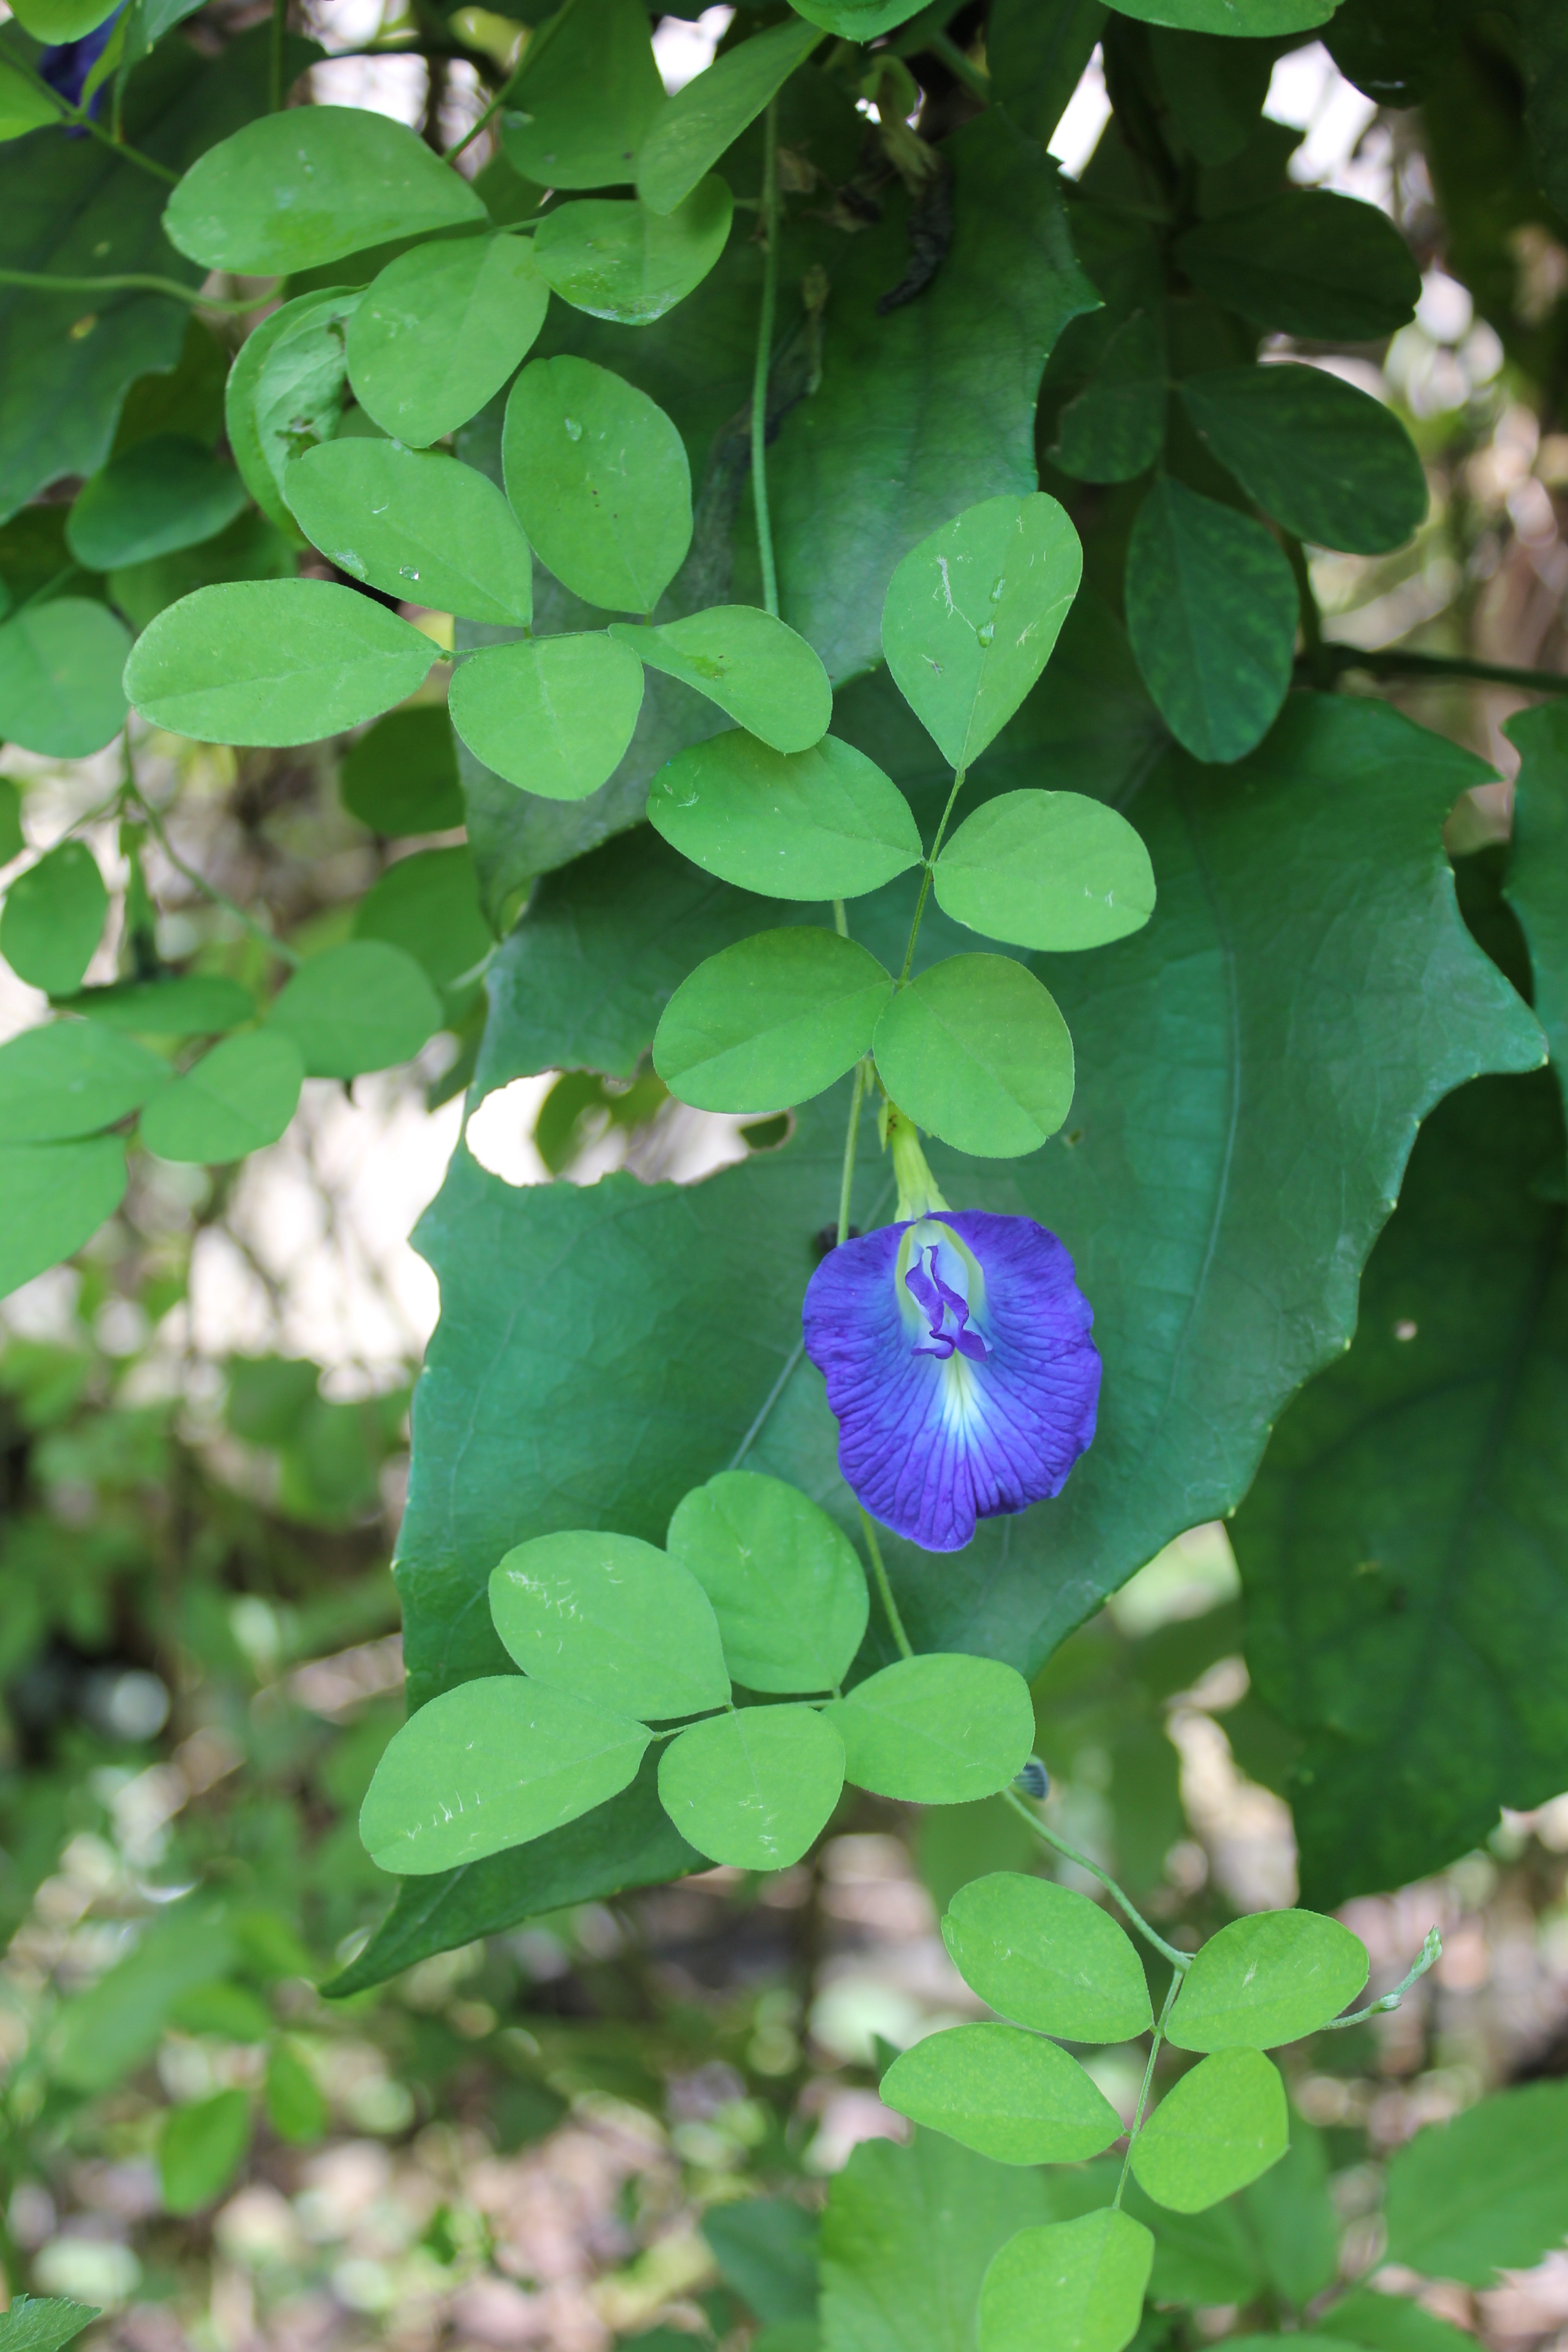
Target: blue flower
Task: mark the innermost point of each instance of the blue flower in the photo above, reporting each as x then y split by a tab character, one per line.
958	1360
66	64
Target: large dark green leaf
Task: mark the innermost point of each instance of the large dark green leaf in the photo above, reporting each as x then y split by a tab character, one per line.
1252	1066
630	1842
70	207
1404	1548
1538	864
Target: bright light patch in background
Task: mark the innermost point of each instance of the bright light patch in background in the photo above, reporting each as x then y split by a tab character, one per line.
1077	135
1307	92
683	49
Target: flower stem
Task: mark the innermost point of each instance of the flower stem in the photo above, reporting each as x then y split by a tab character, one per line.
1179	1961
883	1587
1137	2124
959	774
846	1181
765	353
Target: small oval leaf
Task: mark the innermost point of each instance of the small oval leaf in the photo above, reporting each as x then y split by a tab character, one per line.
1218	2129
599	479
755	668
1212	611
815	824
1047	1958
754	1787
1048	870
72	1077
1008	2094
940	1729
440	330
1265	1980
614	1619
975	1050
236	1099
1077	2286
770	1022
418	526
553	715
786	1585
618	260
361	1007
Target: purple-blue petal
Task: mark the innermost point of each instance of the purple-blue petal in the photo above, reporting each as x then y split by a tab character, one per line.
930	1442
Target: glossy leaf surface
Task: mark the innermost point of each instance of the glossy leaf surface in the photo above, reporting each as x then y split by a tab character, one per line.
1307	263
1326	461
163	493
284	195
754	1787
1008	2094
696	124
600	480
1053	870
498	1761
613	1620
1218	2129
585	103
420	526
439	331
976	1050
618	260
1047	1958
936	1730
273	661
786	1585
756	669
553	715
820	824
770	1022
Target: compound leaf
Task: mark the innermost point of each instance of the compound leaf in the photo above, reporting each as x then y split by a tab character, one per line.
1076	2285
418	526
1268	1979
551	715
976	1050
1219	2128
823	822
770	1022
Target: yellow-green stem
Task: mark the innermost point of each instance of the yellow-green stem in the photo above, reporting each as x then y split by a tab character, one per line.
883	1587
764	353
1179	1961
959	775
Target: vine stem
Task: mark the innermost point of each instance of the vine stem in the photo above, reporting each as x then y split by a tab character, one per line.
1137	2125
81	120
847	1181
1179	1961
958	776
883	1587
269	940
1397	663
452	154
133	281
764	353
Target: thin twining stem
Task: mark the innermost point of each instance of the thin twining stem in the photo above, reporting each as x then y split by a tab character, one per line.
1181	1961
770	220
883	1587
847	1181
1397	662
1137	2123
1431	1950
452	154
269	940
133	281
929	863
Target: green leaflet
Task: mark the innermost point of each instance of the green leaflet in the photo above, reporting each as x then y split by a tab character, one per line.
23	106
610	1619
972	613
1211	608
1291	2219
695	125
1329	462
440	330
553	715
236	1098
905	2240
1219	1283
1008	2094
1421	1585
936	1730
68	1079
364	1005
1079	2282
1306	263
1053	870
976	1050
1047	1958
786	1586
193	1005
57	1196
618	260
1485	2192
756	670
402	775
251	549
428	906
286	392
1265	1980
770	1022
492	1765
585	98
1115	429
296	2106
60	667
820	824
279	196
273	661
161	493
754	1787
43	2323
1217	2129
416	525
598	476
857	20
1216	88
52	918
201	2147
